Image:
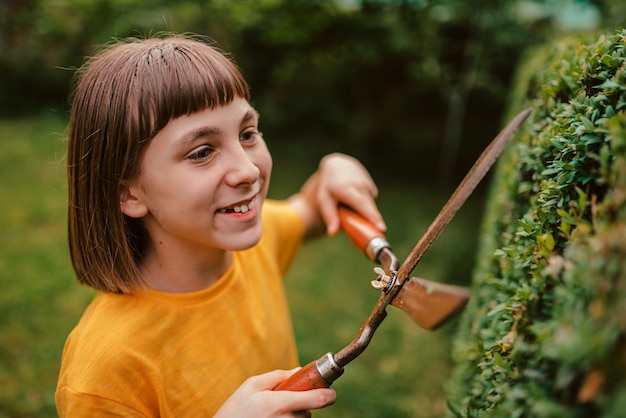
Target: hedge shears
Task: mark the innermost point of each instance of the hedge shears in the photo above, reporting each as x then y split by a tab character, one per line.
428	303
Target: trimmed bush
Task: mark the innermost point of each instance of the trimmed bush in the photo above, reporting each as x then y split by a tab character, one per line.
544	335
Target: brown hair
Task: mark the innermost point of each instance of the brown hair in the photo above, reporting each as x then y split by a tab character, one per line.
122	98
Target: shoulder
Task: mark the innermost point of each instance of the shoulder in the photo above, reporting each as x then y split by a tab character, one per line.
281	211
105	356
283	233
109	336
281	222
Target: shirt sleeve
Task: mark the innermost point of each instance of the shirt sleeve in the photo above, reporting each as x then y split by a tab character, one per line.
284	228
80	405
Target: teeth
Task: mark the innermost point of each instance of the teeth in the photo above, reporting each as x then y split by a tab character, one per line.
240	209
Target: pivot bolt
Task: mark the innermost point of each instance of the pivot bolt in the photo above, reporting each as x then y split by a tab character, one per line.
383	280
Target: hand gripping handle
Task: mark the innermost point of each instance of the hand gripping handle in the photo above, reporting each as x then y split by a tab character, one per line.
320	373
369	239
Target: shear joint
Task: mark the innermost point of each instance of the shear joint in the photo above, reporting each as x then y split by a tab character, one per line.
384	281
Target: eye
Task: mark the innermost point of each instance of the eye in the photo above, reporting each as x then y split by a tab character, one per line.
250	136
201	154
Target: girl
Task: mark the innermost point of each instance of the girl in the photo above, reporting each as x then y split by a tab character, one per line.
168	219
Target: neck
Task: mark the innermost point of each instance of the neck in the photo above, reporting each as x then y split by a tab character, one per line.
184	272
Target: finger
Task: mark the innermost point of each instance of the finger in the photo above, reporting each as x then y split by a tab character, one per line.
369	211
309	399
329	212
373	189
364	204
317	398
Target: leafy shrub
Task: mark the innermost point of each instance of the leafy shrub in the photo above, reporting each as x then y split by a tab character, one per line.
545	333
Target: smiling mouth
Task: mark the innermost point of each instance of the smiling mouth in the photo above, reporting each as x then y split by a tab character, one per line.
243	208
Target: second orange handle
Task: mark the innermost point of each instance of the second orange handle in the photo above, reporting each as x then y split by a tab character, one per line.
359	229
317	374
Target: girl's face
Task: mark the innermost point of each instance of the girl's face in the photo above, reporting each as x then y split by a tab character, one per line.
203	180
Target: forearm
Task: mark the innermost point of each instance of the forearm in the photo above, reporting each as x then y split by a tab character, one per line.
314	225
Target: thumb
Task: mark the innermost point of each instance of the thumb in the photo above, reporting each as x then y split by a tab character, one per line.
269	380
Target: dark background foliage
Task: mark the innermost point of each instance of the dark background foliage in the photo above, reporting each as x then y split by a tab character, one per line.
413	85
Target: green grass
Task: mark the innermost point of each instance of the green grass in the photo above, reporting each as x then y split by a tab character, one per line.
39	300
401	374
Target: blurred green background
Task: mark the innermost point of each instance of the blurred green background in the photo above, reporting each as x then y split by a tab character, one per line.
415	89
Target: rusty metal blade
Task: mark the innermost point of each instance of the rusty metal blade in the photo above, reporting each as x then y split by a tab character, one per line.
460	195
446	300
428	303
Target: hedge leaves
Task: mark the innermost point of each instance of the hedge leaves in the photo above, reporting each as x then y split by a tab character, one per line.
545	332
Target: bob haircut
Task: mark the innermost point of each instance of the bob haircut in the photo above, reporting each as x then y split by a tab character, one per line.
122	98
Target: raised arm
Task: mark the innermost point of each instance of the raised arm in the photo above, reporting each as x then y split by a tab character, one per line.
338	179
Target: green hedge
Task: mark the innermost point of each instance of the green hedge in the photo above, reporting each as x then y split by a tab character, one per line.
545	332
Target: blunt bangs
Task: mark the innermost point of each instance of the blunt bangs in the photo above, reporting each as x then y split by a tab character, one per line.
179	76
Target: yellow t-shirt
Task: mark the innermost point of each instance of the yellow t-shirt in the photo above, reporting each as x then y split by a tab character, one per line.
152	353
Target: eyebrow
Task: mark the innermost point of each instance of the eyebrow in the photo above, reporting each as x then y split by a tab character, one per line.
203	131
250	114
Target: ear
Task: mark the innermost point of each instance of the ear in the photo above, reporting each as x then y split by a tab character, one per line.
130	201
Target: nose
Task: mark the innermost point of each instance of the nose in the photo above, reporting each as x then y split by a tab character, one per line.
241	169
